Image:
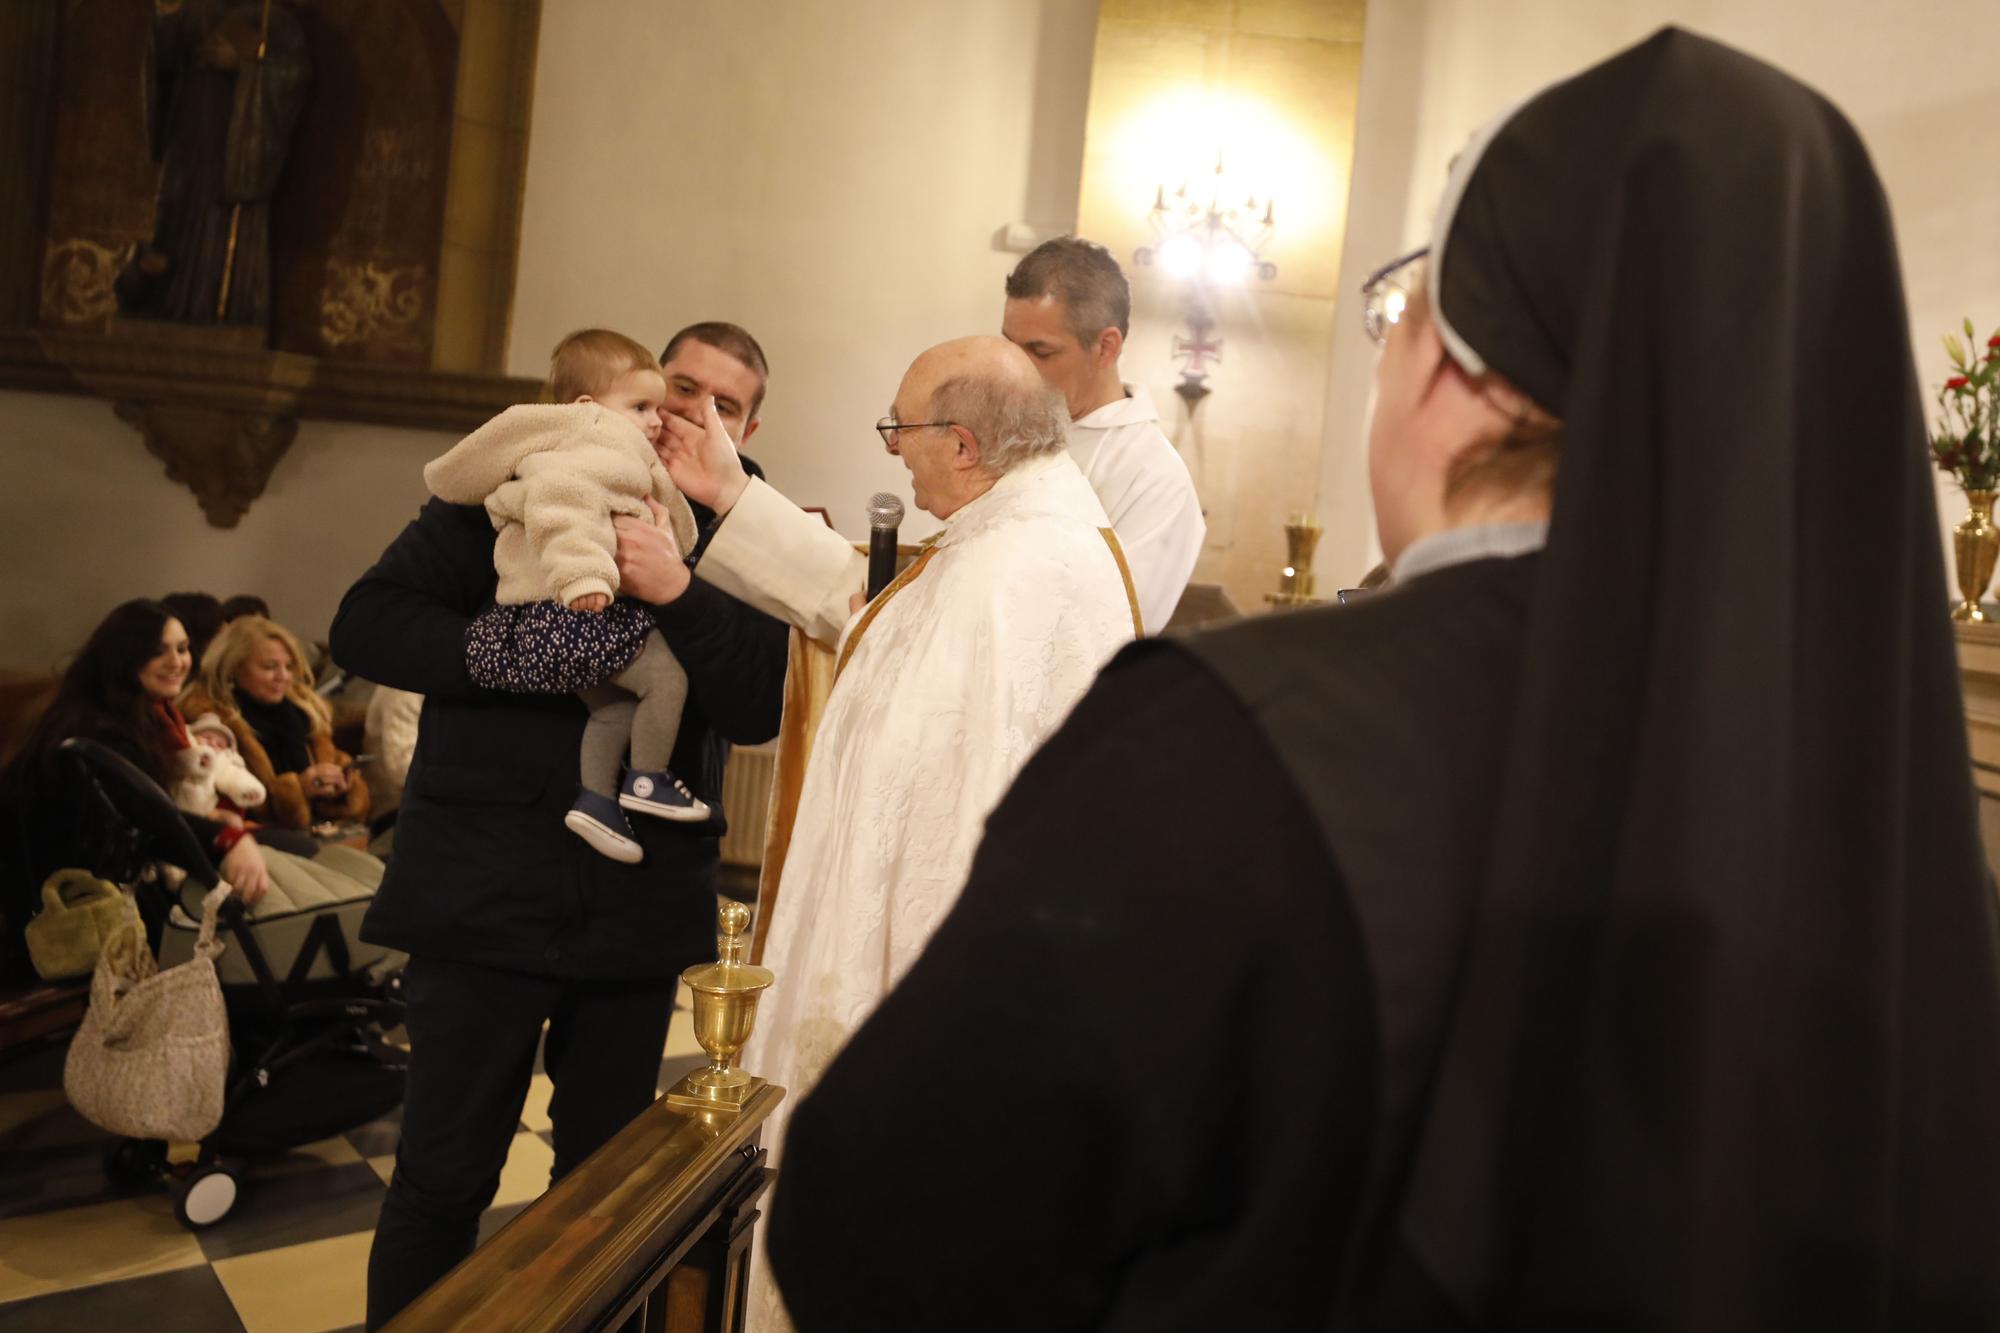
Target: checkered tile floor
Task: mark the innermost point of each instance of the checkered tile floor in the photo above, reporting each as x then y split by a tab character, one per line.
77	1252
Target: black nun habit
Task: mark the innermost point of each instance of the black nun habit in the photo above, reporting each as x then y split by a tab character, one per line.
1594	938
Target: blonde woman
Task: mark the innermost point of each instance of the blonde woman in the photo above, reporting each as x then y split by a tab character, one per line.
255	678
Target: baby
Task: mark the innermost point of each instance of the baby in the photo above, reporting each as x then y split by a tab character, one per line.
552	477
215	782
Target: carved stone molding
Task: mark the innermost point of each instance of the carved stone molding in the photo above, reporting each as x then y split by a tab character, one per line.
176	366
221	416
224	456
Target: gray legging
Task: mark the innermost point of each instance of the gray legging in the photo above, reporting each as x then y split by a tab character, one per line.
640	705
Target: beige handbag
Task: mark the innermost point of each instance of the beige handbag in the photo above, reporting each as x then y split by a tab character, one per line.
151	1060
80	912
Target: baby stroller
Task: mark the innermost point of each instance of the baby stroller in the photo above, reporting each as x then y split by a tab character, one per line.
308	1002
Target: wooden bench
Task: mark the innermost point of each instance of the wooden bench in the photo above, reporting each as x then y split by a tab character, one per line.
44	1009
32	1011
22	694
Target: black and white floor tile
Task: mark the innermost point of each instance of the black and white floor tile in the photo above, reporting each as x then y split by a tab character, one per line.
78	1252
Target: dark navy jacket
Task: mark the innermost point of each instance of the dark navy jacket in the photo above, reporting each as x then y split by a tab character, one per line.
484	871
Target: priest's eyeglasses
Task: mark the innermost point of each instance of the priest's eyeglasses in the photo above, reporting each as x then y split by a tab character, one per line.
889	428
1386	294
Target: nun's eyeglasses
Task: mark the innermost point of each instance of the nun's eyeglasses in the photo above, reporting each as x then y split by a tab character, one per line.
1386	294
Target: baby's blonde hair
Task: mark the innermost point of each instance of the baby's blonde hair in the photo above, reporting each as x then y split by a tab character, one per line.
589	361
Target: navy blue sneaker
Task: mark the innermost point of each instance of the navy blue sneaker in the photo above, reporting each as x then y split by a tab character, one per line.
661	795
599	822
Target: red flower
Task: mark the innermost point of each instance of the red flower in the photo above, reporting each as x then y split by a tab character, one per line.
1955	382
1994	341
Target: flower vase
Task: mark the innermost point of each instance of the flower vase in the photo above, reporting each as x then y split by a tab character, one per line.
1976	544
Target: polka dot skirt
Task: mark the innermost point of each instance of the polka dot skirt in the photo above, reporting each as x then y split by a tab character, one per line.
546	648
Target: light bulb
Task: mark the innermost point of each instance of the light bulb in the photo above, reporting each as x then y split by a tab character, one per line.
1228	262
1180	257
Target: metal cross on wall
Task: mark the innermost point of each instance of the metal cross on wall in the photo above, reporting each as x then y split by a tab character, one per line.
1195	355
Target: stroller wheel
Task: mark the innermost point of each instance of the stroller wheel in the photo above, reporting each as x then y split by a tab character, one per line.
205	1196
134	1163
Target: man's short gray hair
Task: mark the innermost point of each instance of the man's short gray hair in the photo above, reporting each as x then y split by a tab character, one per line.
1084	277
1012	423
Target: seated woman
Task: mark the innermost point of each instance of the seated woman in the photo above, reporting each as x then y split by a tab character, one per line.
120	691
255	678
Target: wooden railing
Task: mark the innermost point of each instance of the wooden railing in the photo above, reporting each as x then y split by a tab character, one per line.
655	1225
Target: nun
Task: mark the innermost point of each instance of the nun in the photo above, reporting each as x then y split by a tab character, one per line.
1589	930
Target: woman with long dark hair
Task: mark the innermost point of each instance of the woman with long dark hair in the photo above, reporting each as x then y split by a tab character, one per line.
120	691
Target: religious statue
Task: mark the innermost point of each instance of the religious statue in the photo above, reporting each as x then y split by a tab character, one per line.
224	83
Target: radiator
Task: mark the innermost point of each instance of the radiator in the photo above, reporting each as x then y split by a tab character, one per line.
746	800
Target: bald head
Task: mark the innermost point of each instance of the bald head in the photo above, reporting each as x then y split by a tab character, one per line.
983	356
992	389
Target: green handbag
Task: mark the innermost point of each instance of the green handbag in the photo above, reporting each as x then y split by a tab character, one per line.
79	913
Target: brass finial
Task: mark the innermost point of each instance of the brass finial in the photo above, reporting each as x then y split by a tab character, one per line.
732	919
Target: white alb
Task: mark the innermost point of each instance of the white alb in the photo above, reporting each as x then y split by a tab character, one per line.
1144	486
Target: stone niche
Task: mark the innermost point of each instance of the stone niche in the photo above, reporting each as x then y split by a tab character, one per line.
393	227
1249	99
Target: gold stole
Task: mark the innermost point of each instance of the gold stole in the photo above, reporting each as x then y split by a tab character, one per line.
1125	573
808	682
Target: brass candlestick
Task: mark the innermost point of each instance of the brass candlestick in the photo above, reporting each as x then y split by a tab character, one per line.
725	1011
1295	581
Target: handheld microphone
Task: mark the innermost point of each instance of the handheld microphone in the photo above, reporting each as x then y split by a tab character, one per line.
885	512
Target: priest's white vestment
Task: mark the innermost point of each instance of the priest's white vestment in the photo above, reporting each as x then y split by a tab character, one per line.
1143	484
946	684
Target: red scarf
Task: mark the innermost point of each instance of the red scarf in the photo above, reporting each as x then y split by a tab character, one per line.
176	725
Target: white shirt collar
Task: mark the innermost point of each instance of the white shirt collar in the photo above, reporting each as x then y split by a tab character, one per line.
1135	407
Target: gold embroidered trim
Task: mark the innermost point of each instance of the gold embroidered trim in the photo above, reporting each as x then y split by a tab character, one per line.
896	585
1125	572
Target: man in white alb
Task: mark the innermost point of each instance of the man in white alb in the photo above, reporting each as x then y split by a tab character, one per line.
1069	308
945	683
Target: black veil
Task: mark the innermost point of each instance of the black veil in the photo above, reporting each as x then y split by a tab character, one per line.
1725	1047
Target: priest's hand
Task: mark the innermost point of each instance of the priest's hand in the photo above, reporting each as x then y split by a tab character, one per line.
702	459
650	567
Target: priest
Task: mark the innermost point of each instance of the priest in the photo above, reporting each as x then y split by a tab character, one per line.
1070	309
945	683
1613	949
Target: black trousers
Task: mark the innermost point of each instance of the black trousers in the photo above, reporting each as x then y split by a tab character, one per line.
473	1032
